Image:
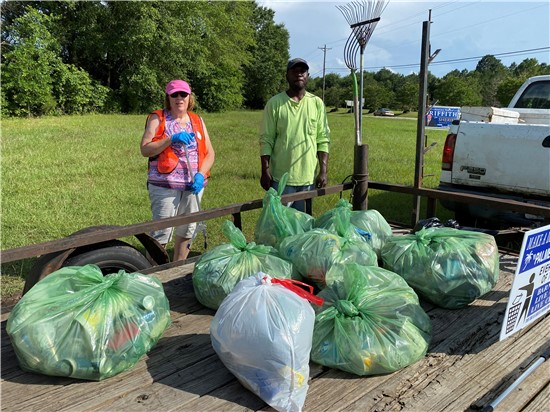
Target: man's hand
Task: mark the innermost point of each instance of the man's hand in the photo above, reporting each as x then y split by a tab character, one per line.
265	180
183	137
321	180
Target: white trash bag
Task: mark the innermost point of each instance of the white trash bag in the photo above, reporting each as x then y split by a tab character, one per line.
262	332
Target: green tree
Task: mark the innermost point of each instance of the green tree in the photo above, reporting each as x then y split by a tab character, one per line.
491	72
528	68
517	76
406	93
26	67
455	89
507	88
136	47
265	74
220	77
376	95
334	96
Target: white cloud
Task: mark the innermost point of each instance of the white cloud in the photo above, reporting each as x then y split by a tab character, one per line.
460	28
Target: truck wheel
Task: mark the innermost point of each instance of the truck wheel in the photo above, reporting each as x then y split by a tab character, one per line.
111	257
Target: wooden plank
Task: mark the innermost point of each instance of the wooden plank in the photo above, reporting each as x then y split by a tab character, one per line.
453	331
472	380
531	394
188	383
173	351
539	403
465	368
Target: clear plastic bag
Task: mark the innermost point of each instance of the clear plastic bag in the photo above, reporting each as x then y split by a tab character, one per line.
448	267
370	323
262	333
277	221
218	271
78	323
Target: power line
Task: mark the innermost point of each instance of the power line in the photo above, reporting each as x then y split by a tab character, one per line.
462	59
384	30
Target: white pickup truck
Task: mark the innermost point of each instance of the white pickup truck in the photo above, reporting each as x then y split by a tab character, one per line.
502	153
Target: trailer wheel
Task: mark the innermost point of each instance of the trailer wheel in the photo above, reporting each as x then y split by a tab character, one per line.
111	257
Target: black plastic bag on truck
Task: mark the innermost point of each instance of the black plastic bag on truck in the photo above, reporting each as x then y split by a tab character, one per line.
218	271
78	323
277	221
370	323
448	267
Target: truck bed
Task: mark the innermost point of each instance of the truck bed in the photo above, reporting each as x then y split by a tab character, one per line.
466	367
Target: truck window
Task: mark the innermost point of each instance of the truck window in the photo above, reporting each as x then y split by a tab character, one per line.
536	96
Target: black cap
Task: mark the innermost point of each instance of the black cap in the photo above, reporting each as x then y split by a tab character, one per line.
294	62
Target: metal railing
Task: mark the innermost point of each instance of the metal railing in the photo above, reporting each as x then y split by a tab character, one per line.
116	232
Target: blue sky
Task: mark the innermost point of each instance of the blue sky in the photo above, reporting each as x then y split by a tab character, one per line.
463	30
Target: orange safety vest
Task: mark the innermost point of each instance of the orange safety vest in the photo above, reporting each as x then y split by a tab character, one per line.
167	159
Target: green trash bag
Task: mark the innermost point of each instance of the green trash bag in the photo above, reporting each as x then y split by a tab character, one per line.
338	221
370	323
77	323
446	266
373	227
218	271
369	224
314	252
278	221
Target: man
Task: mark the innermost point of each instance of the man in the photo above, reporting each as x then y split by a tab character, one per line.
295	136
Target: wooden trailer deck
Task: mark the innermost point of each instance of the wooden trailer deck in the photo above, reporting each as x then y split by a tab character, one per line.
466	368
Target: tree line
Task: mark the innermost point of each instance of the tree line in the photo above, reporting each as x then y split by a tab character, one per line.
490	84
81	56
72	57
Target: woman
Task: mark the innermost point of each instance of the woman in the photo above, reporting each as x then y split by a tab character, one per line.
180	157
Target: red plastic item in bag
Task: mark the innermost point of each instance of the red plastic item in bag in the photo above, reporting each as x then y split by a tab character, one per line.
292	285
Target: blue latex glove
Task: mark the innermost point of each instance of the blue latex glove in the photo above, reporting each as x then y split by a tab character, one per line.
198	183
183	137
366	235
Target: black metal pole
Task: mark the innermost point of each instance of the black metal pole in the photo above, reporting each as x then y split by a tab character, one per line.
420	125
360	177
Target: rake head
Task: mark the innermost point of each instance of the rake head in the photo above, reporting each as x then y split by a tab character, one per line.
362	16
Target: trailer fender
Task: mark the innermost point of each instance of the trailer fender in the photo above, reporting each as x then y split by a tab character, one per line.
51	262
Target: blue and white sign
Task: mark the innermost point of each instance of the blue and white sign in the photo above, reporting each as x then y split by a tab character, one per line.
440	116
530	295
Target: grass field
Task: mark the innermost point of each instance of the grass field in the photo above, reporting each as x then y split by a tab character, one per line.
62	174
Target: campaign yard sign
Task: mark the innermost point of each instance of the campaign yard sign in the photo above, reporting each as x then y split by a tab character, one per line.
440	116
530	295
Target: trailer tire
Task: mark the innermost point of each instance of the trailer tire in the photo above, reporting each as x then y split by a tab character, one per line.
111	257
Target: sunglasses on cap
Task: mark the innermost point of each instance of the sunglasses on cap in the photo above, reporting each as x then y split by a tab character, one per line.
179	94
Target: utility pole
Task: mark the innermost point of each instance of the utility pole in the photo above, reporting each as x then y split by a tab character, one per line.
324	62
425	59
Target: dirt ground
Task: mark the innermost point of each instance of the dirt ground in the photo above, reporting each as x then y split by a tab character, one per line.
9	301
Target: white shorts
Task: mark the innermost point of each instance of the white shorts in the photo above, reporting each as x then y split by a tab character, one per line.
169	203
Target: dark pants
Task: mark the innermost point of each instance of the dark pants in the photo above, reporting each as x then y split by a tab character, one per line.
299	204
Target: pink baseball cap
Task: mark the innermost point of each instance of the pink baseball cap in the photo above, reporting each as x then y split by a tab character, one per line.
178	86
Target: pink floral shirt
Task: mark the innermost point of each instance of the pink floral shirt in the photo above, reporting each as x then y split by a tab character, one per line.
180	178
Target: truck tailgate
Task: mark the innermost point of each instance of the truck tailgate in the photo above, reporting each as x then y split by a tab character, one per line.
503	156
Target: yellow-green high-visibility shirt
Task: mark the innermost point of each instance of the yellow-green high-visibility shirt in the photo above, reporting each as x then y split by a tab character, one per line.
292	133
